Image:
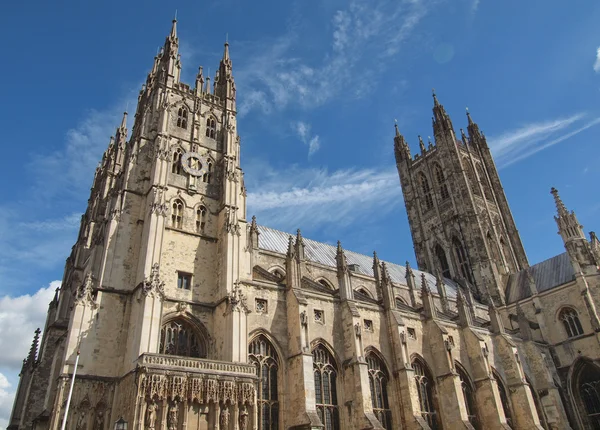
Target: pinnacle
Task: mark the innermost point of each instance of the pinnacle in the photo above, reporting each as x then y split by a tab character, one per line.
560	206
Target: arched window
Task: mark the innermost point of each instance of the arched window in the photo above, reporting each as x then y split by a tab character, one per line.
176	162
426	192
424	382
207	176
506	252
378	383
211	127
484	182
441	181
463	262
200	219
279	273
467	389
325	283
177	337
262	354
182	117
587	386
325	373
177	214
471	177
400	302
504	398
571	322
364	292
442	261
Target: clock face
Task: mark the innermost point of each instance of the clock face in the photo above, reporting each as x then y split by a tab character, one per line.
194	163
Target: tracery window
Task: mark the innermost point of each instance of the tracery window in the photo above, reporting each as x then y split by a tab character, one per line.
200	219
182	117
177	214
378	383
467	389
176	162
471	177
211	127
426	192
325	374
400	302
177	337
484	182
571	322
262	354
504	399
424	383
589	391
442	260
463	262
441	181
207	176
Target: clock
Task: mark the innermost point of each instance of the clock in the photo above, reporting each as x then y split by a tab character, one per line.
194	164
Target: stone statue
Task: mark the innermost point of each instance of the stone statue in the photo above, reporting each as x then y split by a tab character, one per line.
81	421
224	418
244	418
99	424
172	417
358	330
303	319
151	416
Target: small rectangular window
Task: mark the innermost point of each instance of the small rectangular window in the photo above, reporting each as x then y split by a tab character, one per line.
368	325
184	280
412	334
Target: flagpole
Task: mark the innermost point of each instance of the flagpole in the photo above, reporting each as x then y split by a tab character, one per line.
64	423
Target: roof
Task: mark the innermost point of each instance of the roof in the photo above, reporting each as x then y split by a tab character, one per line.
318	252
548	274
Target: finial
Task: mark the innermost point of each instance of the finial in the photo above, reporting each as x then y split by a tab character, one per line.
253	223
469	117
124	121
396	127
227	38
298	236
173	34
424	283
560	206
339	246
435	100
421	144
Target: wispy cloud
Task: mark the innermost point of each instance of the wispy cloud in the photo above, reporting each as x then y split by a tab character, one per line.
300	197
303	130
530	139
364	35
597	63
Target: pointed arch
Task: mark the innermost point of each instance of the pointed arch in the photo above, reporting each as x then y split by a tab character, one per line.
211	127
442	260
425	191
487	190
264	356
468	390
325	283
379	386
470	171
493	248
208	174
426	390
570	321
181	335
507	252
504	398
536	400
200	218
278	271
176	161
584	390
177	209
400	302
364	292
462	259
325	372
182	117
441	181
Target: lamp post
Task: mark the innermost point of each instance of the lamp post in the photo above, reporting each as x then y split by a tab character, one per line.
121	424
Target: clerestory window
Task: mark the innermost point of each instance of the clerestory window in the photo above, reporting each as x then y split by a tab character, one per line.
571	322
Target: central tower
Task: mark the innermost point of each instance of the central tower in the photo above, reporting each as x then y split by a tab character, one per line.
460	221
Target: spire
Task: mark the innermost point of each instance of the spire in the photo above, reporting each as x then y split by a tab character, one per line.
410	282
254	233
422	145
428	304
377	268
124	121
224	83
465	317
173	34
226	51
436	103
340	258
469	119
401	149
441	288
560	206
476	137
442	126
34	347
291	251
299	245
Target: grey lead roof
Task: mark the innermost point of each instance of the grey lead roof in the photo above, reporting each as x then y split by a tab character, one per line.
322	253
548	274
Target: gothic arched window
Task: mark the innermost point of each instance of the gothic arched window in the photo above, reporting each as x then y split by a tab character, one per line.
177	214
471	177
262	354
463	262
468	395
484	182
587	385
207	176
442	260
571	322
177	337
211	127
378	383
424	382
425	191
176	161
200	219
325	374
400	302
441	181
182	117
504	398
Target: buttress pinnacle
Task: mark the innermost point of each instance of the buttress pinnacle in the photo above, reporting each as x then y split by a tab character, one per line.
560	206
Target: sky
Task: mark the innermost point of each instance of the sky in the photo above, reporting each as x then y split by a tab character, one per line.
319	84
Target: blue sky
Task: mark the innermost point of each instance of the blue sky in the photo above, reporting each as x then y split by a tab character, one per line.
319	86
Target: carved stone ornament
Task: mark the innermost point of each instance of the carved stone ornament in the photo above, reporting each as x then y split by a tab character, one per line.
150	416
99	422
358	329
244	418
224	417
172	416
303	319
182	307
153	286
85	291
237	300
232	225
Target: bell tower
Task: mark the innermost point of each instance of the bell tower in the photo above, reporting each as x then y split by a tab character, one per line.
459	218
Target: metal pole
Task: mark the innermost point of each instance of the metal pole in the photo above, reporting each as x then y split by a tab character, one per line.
64	423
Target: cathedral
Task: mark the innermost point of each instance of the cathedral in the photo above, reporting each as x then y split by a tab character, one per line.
179	311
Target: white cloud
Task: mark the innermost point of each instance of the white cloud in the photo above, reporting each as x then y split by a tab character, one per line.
303	130
597	63
300	197
6	401
516	145
364	36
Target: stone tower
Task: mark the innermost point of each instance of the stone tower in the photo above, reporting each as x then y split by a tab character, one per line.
460	221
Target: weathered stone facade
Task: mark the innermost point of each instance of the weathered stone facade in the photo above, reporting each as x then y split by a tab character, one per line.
186	316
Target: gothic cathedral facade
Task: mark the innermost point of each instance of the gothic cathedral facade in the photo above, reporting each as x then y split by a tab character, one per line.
177	312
